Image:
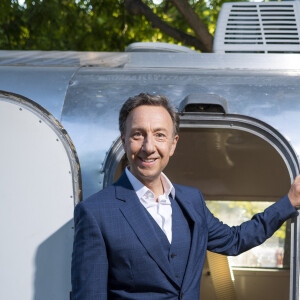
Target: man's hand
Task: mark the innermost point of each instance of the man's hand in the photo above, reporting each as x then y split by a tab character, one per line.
294	192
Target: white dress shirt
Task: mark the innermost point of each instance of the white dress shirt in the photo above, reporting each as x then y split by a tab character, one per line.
161	211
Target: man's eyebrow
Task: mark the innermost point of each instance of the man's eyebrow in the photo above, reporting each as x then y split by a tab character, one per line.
143	129
160	129
136	129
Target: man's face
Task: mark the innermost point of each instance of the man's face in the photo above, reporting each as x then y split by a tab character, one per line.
149	142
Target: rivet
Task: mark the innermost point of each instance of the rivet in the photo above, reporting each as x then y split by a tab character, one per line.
20	108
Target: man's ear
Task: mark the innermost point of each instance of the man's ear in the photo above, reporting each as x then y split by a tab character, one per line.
123	141
173	145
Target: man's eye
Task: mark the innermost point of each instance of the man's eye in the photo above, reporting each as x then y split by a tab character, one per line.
160	135
137	134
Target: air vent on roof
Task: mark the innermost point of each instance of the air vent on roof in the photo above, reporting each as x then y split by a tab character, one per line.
266	27
203	103
157	47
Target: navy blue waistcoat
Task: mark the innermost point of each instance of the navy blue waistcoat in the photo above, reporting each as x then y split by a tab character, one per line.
177	253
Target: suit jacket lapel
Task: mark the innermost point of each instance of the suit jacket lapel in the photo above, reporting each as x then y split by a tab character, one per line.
194	256
135	214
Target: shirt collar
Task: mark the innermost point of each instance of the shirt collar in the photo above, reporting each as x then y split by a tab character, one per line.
141	190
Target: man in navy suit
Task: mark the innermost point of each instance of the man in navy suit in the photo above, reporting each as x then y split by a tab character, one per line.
146	238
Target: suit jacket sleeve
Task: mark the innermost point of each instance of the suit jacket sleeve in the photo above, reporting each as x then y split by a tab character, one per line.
89	258
237	239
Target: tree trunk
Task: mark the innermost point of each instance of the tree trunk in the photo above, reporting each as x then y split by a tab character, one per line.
195	23
137	7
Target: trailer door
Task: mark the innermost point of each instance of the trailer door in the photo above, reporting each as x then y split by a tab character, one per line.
39	185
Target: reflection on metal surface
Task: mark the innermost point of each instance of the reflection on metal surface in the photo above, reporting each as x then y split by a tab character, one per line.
62	58
86	98
228	61
46	86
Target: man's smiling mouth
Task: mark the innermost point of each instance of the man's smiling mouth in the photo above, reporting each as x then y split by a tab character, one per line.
148	160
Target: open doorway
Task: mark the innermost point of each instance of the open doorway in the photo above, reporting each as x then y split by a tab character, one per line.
239	174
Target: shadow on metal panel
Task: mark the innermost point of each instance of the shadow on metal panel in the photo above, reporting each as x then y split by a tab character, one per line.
53	265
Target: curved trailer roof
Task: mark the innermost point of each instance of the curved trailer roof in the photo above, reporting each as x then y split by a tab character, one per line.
85	90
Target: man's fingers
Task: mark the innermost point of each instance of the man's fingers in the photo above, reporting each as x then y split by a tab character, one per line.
294	192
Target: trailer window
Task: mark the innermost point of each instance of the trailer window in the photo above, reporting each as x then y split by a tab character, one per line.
274	253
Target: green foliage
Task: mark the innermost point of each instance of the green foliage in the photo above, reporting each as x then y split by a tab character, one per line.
236	212
91	25
94	25
12	27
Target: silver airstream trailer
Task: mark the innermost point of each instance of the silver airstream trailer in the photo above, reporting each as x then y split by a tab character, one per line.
239	144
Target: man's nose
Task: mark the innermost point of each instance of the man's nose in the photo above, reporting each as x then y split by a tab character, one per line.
149	144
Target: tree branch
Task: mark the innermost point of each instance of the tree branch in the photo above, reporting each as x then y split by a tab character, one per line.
137	7
195	23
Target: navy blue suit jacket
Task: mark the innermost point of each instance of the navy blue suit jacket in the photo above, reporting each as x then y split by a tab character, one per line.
116	254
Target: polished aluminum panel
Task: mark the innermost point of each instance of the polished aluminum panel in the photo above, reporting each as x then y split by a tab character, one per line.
95	96
195	60
87	98
216	61
62	58
45	85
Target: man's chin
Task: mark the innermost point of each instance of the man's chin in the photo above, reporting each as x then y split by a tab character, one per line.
148	177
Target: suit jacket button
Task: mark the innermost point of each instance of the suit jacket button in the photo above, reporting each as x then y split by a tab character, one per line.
173	255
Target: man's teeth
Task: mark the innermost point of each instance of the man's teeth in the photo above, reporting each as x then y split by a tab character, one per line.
148	160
